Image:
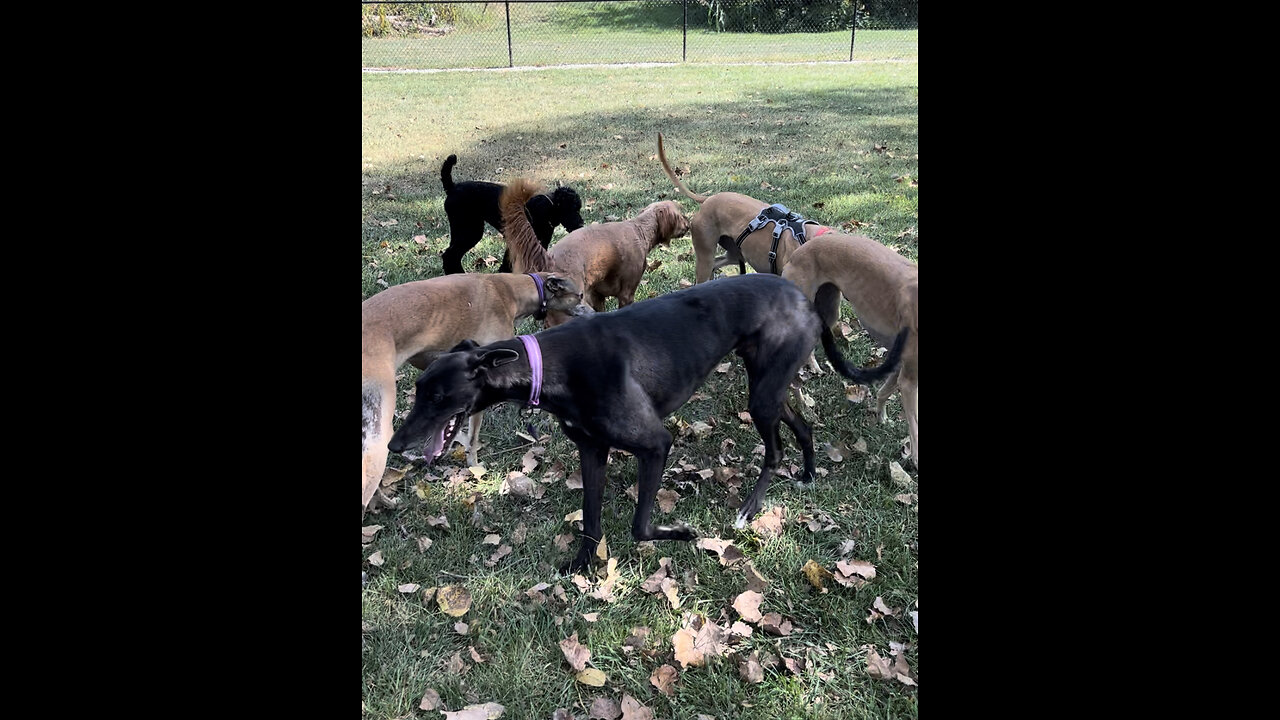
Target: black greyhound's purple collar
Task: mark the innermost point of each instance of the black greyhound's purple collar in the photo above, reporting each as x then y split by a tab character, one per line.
534	352
542	298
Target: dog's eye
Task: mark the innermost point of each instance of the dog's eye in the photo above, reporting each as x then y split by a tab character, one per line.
437	398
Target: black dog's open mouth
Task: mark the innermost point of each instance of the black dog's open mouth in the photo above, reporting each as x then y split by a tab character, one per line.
435	446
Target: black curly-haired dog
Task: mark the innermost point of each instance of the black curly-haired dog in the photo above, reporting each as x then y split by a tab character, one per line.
471	204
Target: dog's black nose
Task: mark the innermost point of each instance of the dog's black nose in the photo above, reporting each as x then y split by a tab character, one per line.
395	445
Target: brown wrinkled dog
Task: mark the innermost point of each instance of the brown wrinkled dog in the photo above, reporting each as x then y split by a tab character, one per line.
417	321
884	289
719	222
605	260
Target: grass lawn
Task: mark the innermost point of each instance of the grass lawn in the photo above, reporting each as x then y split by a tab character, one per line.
837	143
569	33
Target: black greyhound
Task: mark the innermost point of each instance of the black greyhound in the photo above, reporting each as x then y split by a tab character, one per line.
471	204
611	378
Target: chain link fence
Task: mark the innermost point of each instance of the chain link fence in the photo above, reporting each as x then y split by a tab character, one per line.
483	34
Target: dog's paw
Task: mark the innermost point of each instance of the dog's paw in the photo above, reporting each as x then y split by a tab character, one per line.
681	531
574	565
741	522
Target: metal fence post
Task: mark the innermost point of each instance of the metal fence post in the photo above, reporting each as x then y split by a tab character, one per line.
853	28
684	51
512	64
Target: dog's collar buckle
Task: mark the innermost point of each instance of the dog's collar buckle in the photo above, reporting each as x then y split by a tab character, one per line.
534	351
542	298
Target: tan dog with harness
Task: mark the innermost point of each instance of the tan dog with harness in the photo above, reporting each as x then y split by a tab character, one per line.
734	221
417	321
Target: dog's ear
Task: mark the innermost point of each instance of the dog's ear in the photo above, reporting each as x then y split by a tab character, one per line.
493	358
557	285
464	346
672	220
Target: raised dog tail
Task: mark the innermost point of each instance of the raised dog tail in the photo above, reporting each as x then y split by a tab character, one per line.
446	172
527	254
662	155
859	375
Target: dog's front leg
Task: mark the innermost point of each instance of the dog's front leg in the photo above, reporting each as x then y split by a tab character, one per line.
804	438
882	397
593	459
647	480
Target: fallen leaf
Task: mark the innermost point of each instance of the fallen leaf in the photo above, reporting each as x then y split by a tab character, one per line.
846	547
744	416
750	670
740	629
683	645
700	429
899	475
855	393
915	620
664	678
475	655
604	708
391	476
502	552
857	567
477	470
755	581
440	522
592	677
653	583
636	640
769	524
491	539
748	606
409	588
725	549
882	608
591	617
457	665
685	283
518	535
454	600
424	544
522	486
376	559
633	710
835	452
563	541
575	516
367	532
815	573
723	367
669	589
905	498
667	500
575	653
602	548
574	481
795	665
430	701
461	628
773	624
389	223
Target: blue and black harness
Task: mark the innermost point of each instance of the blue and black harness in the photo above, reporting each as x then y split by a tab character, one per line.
782	219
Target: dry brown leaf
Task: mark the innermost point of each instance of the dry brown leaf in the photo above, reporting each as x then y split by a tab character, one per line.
653	583
900	476
491	539
723	367
744	416
915	620
860	445
667	500
605	590
636	640
795	665
748	606
530	459
724	549
475	654
440	522
581	582
669	589
391	476
700	429
740	629
591	617
461	628
685	283
633	710
750	670
857	567
518	535
424	544
430	701
454	600
603	708
633	492
685	652
376	559
574	481
773	624
855	393
564	541
664	678
429	594
522	486
592	677
575	653
878	667
502	552
835	452
769	524
575	516
368	531
602	548
905	498
408	588
457	665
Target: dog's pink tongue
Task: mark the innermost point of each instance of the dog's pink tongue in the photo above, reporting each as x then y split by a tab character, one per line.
433	449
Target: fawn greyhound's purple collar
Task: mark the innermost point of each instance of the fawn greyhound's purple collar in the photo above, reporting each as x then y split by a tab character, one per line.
542	298
534	352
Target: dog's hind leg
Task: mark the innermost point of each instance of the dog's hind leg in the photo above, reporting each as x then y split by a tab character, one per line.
804	438
473	438
882	397
766	421
464	234
911	408
377	405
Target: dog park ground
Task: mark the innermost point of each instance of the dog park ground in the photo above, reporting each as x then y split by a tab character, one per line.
463	598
